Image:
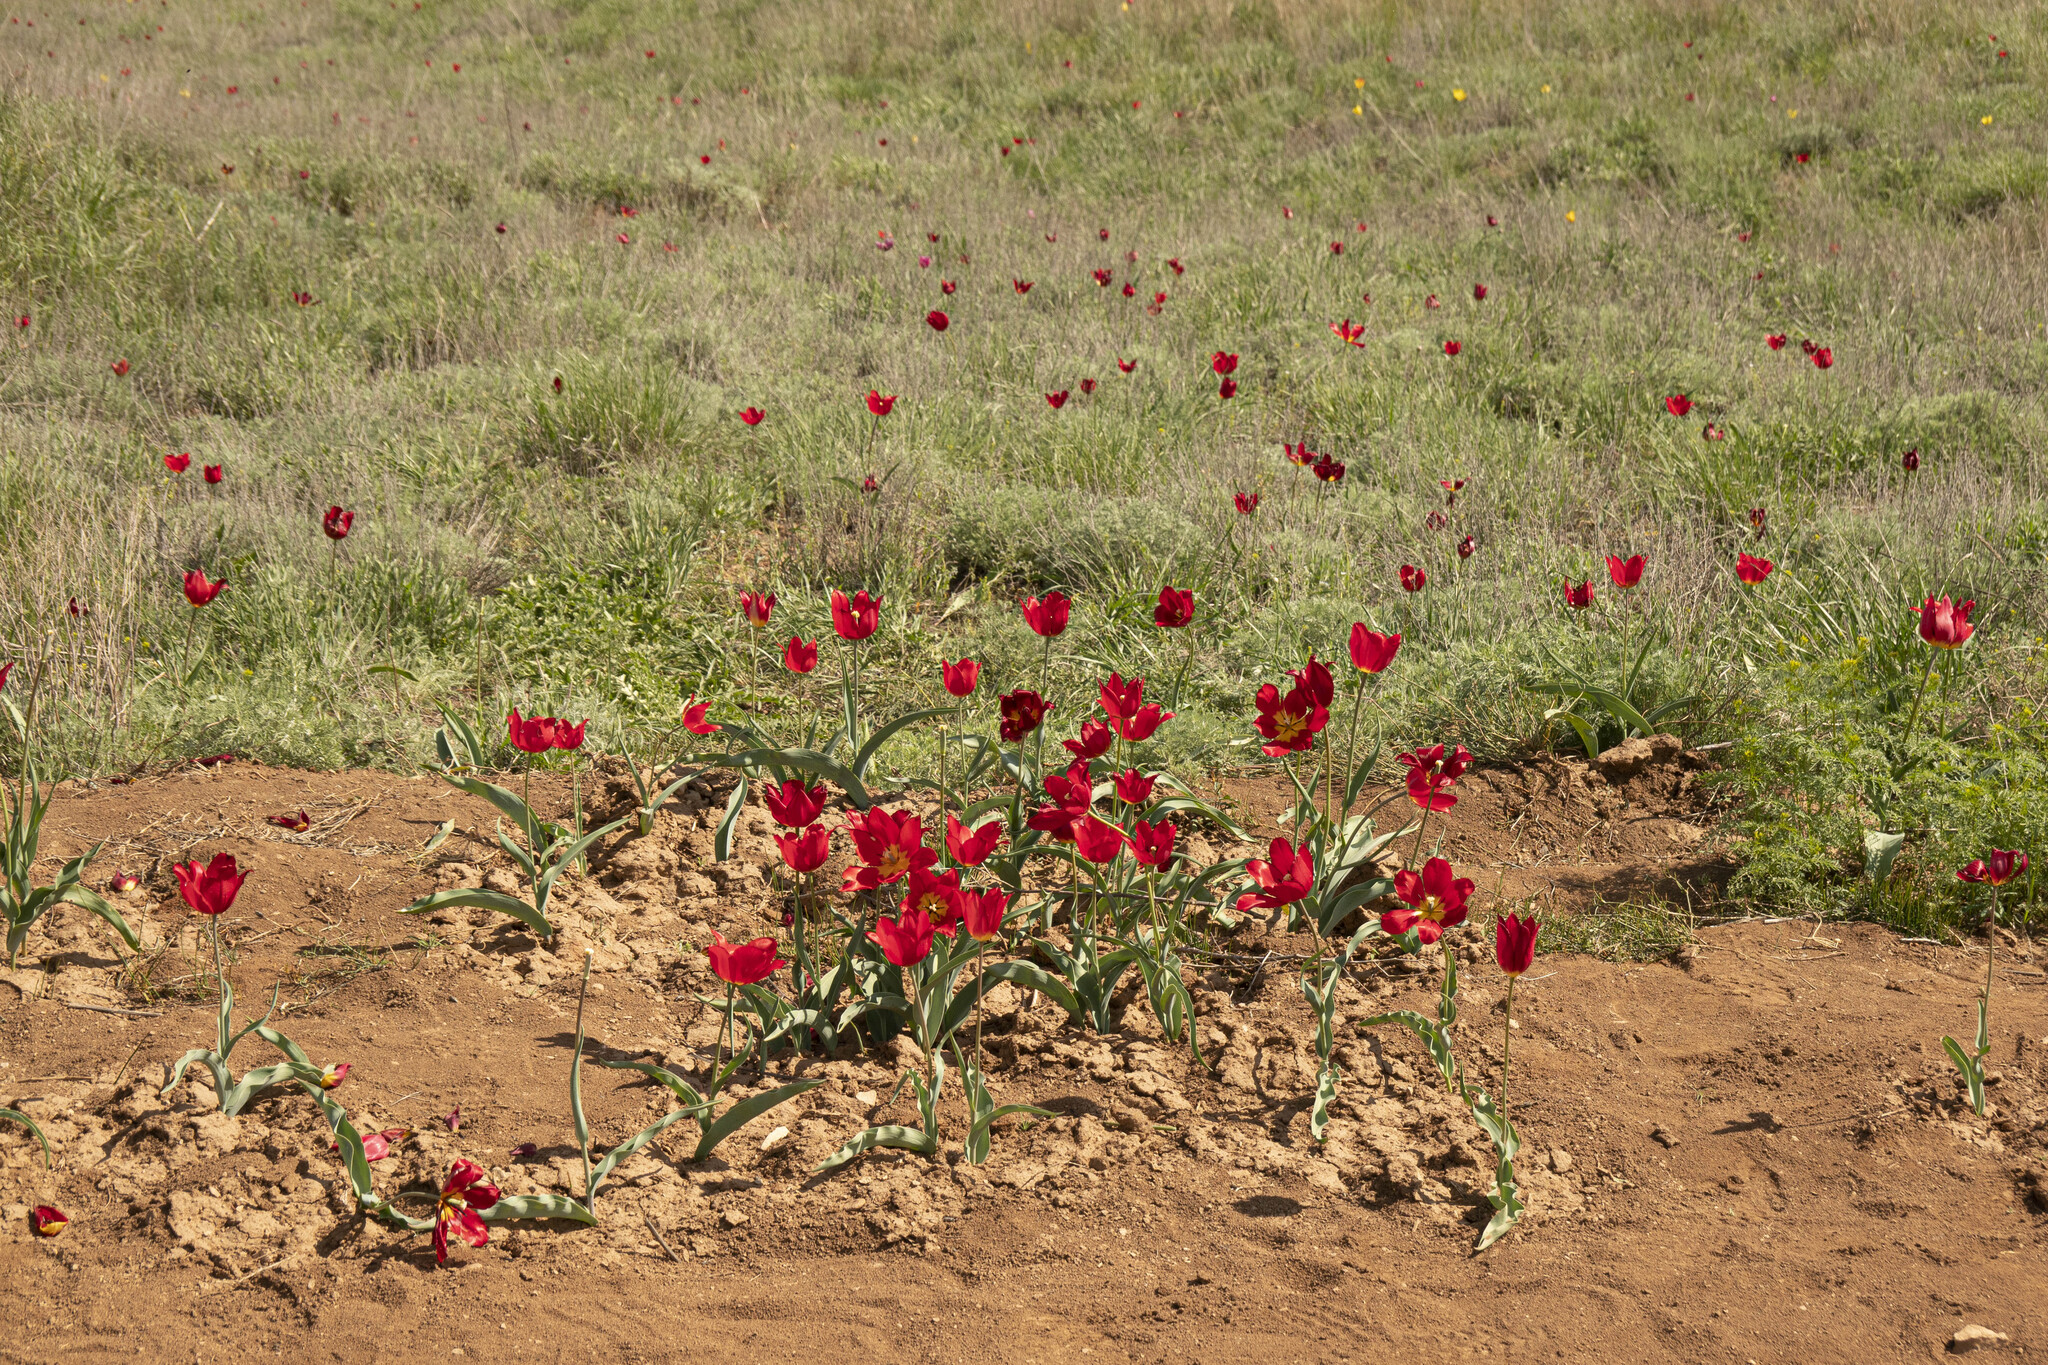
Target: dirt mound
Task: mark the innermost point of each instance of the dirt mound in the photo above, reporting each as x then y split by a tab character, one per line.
1753	1151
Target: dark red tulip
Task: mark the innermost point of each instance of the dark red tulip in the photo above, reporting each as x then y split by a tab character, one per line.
1173	262
879	405
1126	365
1579	598
335	524
1710	432
1678	405
1436	520
212	889
1336	248
1056	400
1176	607
22	321
1453	347
1223	362
558	383
960	679
1087	386
905	940
1103	233
1492	221
1995	868
1022	712
1465	548
1626	573
1227	389
1022	286
1047	616
213	473
1130	291
939	321
947	286
1514	943
1413	578
501	229
800	656
120	368
1776	341
1247	503
1756	519
47	1220
177	464
1290	723
1910	460
1479	293
1328	470
1102	277
753	417
1285	875
198	591
1134	788
1808	345
1823	358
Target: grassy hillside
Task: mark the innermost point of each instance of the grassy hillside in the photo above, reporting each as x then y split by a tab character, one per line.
345	250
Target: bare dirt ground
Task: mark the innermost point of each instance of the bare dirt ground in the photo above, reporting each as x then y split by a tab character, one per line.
1753	1151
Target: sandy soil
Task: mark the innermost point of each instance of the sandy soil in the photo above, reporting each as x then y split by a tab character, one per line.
1755	1151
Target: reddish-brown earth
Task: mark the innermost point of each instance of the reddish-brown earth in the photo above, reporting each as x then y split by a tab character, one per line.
1754	1151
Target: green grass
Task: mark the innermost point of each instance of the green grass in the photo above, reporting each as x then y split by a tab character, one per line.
580	551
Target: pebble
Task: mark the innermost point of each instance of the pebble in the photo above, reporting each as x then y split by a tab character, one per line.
732	1218
1974	1337
1560	1160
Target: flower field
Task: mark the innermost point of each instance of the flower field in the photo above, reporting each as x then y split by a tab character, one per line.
1153	677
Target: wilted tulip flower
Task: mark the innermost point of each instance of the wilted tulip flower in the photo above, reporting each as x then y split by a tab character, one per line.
1578	598
1752	570
1247	503
457	1212
47	1220
1412	578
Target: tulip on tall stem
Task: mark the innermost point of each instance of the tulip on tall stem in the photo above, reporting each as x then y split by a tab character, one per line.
1514	948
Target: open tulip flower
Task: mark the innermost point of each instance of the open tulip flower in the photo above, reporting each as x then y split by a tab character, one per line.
960	679
742	964
1435	901
1176	607
1093	742
569	736
793	805
1290	723
1578	598
1412	578
805	852
905	940
936	894
458	1212
1152	845
1223	362
530	734
753	417
1945	625
879	404
855	619
1626	573
1752	570
335	524
972	847
888	846
1247	503
198	591
1371	652
1285	875
1678	405
1047	616
756	607
696	717
1995	868
178	463
1300	456
1350	332
800	656
1022	712
1328	470
210	890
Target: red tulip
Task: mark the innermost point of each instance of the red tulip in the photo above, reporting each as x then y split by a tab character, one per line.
1823	358
756	608
1299	456
457	1210
1371	652
972	847
856	619
1431	772
1579	598
1678	405
960	678
879	405
1102	277
1752	570
298	822
1328	470
1057	400
1289	724
1103	233
1316	679
1073	798
1756	519
1097	840
212	889
1152	845
120	368
1048	615
938	320
889	846
1479	293
1134	788
1119	699
1285	875
1626	573
1776	341
1910	461
694	717
1087	386
531	735
1453	487
1431	302
1514	943
48	1221
1093	743
1223	362
981	912
1710	432
742	964
1126	365
1173	263
1436	520
1945	626
1022	712
905	940
1176	607
752	416
198	591
1227	389
331	1077
213	473
1022	286
1336	248
1350	331
177	464
1140	727
1130	291
1453	347
1413	578
335	524
1995	869
1465	548
558	383
800	656
936	896
1436	901
22	321
1247	503
793	805
805	852
947	286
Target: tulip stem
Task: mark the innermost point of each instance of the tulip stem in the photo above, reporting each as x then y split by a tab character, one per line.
1185	664
724	1036
1044	670
1914	715
1505	1033
220	974
945	850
